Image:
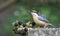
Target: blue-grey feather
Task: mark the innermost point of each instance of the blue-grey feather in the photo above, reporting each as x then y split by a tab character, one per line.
43	18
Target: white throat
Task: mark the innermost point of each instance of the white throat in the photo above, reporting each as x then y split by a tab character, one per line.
35	14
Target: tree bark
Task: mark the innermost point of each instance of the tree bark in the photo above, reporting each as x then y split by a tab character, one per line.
5	4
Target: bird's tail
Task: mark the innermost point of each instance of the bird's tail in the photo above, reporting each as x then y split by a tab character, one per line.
49	24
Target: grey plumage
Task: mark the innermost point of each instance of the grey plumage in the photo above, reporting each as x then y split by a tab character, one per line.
42	18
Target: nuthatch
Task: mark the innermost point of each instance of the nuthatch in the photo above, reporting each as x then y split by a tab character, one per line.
39	19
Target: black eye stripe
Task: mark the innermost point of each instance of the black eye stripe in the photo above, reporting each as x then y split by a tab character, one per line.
35	12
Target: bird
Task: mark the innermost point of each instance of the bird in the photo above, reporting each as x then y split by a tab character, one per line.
40	19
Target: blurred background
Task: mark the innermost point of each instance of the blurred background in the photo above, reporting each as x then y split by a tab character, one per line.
10	10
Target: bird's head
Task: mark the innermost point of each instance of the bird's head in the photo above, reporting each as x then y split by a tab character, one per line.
34	13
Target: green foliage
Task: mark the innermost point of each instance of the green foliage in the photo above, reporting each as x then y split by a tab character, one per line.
23	15
53	1
8	29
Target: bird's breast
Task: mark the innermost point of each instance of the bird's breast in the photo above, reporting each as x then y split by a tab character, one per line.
39	22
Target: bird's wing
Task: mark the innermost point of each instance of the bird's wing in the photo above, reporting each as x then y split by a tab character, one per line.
42	18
